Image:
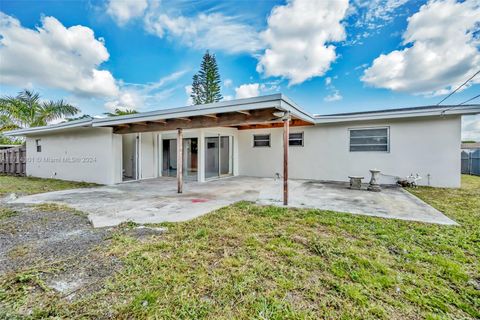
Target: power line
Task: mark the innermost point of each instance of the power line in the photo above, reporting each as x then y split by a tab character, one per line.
460	104
453	92
477	96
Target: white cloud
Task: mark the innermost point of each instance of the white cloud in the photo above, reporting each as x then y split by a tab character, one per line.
213	31
227	83
54	56
137	96
373	13
247	91
188	91
125	100
471	128
441	54
123	11
299	37
334	96
334	92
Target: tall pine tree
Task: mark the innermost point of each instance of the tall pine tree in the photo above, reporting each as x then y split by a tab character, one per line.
206	84
196	94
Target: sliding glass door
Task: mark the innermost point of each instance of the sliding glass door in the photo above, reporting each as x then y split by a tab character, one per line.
190	158
218	156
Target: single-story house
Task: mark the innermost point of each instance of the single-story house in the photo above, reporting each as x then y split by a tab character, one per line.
267	136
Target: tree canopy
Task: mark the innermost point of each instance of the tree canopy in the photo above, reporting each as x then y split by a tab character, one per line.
206	83
120	112
27	110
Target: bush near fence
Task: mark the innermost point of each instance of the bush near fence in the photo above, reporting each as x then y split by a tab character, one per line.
13	161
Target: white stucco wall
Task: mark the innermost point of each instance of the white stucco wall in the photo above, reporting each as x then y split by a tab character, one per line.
148	163
82	154
429	147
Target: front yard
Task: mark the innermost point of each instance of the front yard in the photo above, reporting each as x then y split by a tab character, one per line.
247	261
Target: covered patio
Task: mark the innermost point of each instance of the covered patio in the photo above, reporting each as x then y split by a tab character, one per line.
275	111
158	200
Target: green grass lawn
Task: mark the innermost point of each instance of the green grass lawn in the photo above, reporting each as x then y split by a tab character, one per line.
29	185
252	262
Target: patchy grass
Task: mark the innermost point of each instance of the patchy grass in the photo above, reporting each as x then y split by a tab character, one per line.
29	185
247	261
55	207
6	213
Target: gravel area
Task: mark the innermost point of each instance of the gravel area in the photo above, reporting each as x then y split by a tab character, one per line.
59	245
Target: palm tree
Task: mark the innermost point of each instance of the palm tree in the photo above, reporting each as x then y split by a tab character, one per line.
27	110
120	112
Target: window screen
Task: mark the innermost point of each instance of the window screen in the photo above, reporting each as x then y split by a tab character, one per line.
374	139
295	139
261	140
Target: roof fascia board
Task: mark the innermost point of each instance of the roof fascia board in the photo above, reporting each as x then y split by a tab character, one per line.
396	115
293	108
271	101
53	127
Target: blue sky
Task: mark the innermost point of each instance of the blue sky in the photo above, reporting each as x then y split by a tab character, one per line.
328	56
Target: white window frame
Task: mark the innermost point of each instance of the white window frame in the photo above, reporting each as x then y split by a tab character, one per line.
262	134
299	145
368	128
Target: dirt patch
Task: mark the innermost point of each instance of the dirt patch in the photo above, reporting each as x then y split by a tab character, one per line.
58	248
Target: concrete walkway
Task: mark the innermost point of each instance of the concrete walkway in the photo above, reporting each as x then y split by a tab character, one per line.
156	200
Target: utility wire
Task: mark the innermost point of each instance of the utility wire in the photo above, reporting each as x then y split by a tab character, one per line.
477	96
460	104
453	92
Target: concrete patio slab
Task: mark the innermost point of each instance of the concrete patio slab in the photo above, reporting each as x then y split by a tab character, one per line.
156	200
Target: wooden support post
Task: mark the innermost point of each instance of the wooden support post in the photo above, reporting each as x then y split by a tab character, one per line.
179	160
286	129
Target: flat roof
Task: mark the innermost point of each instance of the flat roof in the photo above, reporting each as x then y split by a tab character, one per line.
422	111
277	101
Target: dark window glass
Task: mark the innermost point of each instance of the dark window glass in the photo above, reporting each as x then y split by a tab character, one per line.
295	139
375	139
39	147
261	140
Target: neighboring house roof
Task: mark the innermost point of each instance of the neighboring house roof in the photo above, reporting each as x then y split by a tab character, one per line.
275	101
471	145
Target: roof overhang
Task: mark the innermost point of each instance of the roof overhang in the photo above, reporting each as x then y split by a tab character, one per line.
51	128
432	111
248	113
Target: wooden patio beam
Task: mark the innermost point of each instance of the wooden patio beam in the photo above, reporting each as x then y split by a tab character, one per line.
286	133
233	119
213	116
179	161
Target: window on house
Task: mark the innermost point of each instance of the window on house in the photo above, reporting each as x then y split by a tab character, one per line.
38	145
371	139
295	139
261	140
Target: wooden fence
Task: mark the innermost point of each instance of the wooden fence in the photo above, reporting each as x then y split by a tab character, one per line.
13	161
